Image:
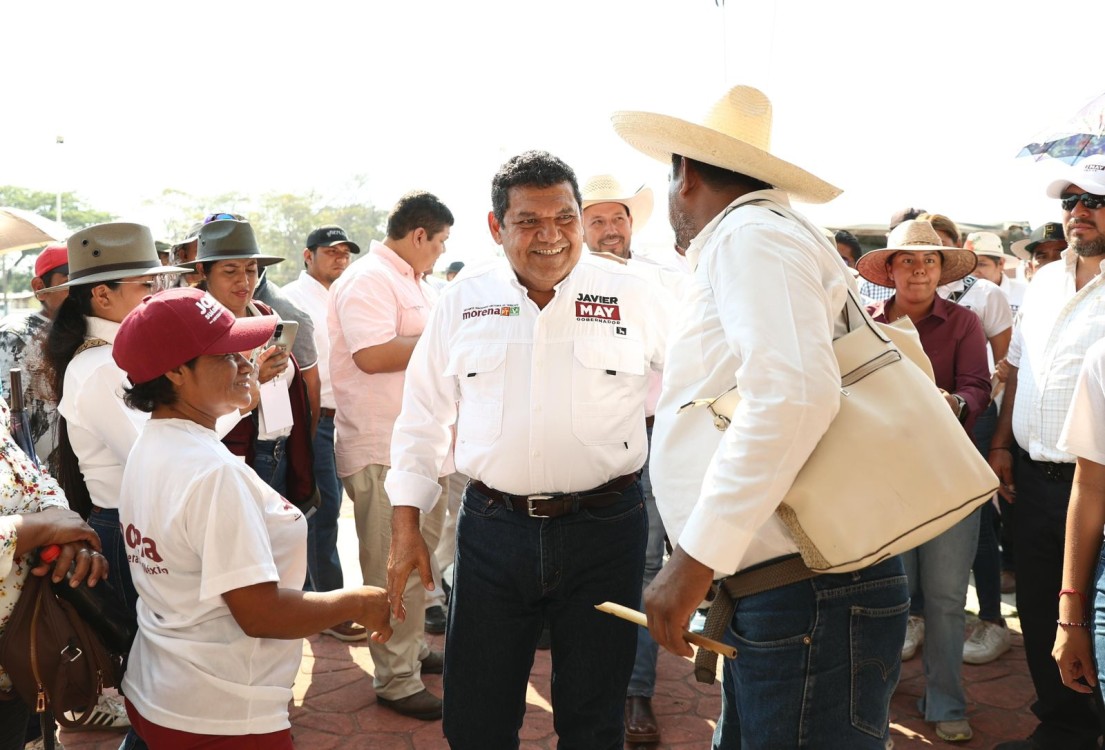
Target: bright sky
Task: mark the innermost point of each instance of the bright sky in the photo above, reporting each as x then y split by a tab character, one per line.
899	104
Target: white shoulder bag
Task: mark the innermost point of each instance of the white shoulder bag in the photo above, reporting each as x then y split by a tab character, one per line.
921	473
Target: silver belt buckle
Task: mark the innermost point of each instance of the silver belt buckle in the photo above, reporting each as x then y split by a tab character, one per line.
531	510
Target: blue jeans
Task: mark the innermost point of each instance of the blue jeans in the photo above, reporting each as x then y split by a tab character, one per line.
105	521
817	663
511	573
270	461
942	567
643	679
987	564
323	564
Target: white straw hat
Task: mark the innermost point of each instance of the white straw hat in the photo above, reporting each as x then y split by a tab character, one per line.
605	188
735	135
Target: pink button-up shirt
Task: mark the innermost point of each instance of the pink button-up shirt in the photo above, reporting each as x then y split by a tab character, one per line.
378	298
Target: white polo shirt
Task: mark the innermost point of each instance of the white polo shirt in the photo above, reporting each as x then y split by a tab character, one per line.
544	400
313	298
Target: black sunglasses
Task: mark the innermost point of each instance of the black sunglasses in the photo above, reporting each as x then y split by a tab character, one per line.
1089	200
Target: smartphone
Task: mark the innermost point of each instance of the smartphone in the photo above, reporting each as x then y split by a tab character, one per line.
284	335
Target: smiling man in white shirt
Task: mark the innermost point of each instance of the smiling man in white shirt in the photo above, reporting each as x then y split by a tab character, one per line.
762	311
541	362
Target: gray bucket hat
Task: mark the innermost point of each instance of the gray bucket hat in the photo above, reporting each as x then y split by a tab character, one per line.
227	239
110	252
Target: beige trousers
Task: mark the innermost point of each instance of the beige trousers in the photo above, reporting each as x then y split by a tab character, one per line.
399	661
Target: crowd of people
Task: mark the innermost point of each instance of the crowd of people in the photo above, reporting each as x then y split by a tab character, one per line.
512	443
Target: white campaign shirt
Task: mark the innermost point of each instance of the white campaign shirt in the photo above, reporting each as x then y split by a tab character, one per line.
763	308
1082	435
101	427
544	400
1014	290
313	298
198	522
986	300
1057	326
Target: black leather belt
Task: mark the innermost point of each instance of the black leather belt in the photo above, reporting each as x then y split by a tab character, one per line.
554	505
325	412
1054	471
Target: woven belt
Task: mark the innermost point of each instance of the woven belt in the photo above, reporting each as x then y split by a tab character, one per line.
769	575
326	412
554	505
1056	472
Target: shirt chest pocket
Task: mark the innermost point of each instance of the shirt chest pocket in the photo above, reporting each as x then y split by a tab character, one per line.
481	378
608	390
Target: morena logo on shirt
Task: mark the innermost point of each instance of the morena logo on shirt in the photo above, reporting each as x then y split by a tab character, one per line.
597	307
505	311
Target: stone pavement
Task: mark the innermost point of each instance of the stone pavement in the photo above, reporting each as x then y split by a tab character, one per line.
335	707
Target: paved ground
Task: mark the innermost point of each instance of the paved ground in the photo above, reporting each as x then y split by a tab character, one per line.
335	706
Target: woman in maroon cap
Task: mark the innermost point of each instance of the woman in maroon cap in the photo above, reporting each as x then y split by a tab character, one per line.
218	551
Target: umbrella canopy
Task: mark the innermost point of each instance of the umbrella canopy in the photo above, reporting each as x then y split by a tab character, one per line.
1081	136
25	230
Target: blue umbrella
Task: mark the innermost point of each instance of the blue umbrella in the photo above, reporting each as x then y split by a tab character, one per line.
1081	136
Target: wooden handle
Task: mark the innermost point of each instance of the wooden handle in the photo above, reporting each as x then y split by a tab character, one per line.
632	615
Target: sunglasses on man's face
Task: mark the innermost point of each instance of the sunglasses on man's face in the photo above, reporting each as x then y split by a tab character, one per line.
1089	200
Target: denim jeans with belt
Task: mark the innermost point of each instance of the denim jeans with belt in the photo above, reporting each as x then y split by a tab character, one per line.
817	662
511	572
323	564
270	461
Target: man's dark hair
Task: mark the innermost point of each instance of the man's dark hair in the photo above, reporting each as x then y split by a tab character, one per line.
418	209
718	178
532	168
846	238
50	278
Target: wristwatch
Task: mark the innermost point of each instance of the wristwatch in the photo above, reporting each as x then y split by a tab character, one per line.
961	413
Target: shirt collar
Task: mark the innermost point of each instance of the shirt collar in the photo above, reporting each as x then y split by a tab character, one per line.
101	328
312	283
1070	262
694	249
389	256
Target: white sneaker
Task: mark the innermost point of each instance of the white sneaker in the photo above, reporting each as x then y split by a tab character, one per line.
109	713
987	641
914	637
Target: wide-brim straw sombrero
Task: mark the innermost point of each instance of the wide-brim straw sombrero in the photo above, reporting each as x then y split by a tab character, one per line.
605	188
735	135
916	237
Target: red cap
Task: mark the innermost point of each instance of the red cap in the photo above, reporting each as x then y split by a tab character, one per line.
53	256
178	325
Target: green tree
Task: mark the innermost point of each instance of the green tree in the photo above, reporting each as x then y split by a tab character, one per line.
75	213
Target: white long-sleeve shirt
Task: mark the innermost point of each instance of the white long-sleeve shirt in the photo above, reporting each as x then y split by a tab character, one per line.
763	309
544	400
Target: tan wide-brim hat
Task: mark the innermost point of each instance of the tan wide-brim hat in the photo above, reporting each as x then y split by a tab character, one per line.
917	237
227	239
735	135
110	252
605	188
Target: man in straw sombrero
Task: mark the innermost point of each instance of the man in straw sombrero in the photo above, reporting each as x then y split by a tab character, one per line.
763	309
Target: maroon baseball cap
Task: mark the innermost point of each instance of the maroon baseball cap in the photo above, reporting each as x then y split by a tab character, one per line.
176	326
51	257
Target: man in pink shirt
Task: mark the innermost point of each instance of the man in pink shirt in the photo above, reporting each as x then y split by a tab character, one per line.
377	311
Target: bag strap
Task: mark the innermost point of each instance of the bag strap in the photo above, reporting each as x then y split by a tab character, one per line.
968	282
90	344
